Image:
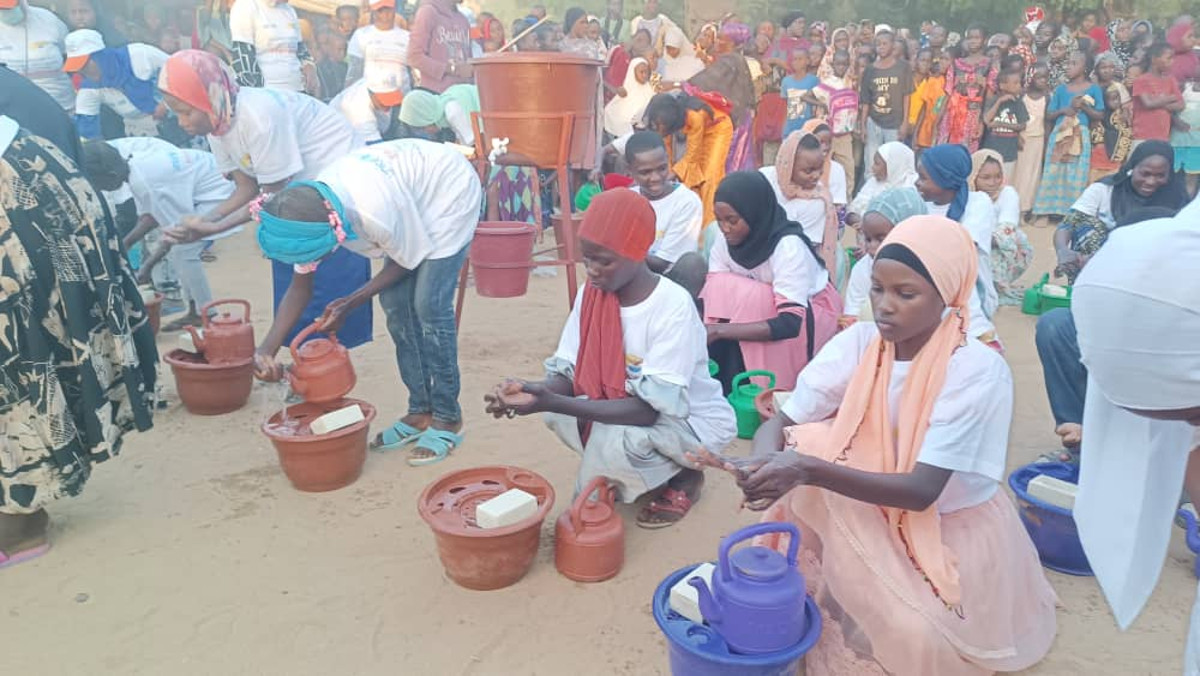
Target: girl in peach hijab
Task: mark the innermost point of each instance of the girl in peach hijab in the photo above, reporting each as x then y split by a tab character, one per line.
889	457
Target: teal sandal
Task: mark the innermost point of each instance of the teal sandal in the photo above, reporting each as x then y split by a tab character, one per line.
438	442
398	435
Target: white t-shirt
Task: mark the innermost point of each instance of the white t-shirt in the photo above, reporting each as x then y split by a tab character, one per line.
1008	206
132	149
145	61
678	218
1096	201
384	54
810	214
792	270
409	200
280	134
274	31
354	103
968	428
169	185
858	289
666	334
979	219
37	50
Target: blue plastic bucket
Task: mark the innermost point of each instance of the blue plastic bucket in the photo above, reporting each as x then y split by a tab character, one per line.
696	650
1051	528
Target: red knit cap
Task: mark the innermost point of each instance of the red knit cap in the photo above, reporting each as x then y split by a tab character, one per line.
621	221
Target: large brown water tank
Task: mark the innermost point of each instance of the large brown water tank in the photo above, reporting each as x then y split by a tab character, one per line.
532	84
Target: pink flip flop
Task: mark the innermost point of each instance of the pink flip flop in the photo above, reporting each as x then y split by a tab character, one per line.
23	556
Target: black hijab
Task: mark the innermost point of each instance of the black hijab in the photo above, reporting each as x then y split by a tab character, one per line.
751	196
1172	195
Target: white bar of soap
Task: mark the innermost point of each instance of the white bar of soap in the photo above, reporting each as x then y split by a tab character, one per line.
336	420
1053	491
512	506
685	600
187	344
1054	291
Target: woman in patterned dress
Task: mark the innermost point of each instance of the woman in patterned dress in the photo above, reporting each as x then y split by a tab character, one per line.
77	354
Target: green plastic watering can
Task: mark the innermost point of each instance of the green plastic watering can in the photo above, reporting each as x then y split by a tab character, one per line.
742	399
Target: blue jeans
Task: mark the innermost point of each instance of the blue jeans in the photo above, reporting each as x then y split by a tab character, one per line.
875	137
1066	376
420	317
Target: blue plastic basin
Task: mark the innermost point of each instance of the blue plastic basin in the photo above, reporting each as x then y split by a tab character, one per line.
696	650
1051	528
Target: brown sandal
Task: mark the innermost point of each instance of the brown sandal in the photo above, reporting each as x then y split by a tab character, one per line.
672	505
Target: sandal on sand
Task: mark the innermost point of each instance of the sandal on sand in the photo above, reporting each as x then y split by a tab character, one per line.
398	435
670	506
438	442
7	560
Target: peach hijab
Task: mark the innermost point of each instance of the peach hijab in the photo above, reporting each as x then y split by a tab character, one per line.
785	161
861	436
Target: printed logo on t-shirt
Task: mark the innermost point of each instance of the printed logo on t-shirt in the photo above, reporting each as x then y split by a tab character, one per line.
633	367
883	98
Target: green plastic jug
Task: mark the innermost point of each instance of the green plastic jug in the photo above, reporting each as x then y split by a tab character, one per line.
742	400
1032	303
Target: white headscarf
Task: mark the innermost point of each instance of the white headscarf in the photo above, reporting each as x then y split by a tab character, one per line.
901	173
623	111
1137	311
685	65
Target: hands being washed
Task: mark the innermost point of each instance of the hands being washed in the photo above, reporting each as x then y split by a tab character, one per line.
763	479
513	398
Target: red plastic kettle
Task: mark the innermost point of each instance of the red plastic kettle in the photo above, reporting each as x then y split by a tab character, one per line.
227	339
321	369
590	536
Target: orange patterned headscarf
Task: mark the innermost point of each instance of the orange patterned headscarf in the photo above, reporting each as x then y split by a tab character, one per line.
863	435
204	82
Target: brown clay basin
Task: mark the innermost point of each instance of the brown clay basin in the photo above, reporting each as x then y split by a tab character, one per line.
318	463
209	389
479	558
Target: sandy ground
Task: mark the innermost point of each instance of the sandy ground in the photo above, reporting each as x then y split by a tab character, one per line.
192	554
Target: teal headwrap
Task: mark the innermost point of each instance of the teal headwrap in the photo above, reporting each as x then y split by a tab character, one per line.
300	242
422	109
898	205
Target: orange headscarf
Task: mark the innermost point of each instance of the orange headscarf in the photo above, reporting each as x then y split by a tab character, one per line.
785	160
202	81
861	436
811	127
621	221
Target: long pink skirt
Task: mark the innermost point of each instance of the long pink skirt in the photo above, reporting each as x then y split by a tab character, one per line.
880	614
739	299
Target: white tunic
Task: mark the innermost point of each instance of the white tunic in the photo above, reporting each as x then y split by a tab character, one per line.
810	214
354	103
384	55
858	290
792	270
408	200
171	184
278	135
678	220
274	31
968	429
665	337
36	49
